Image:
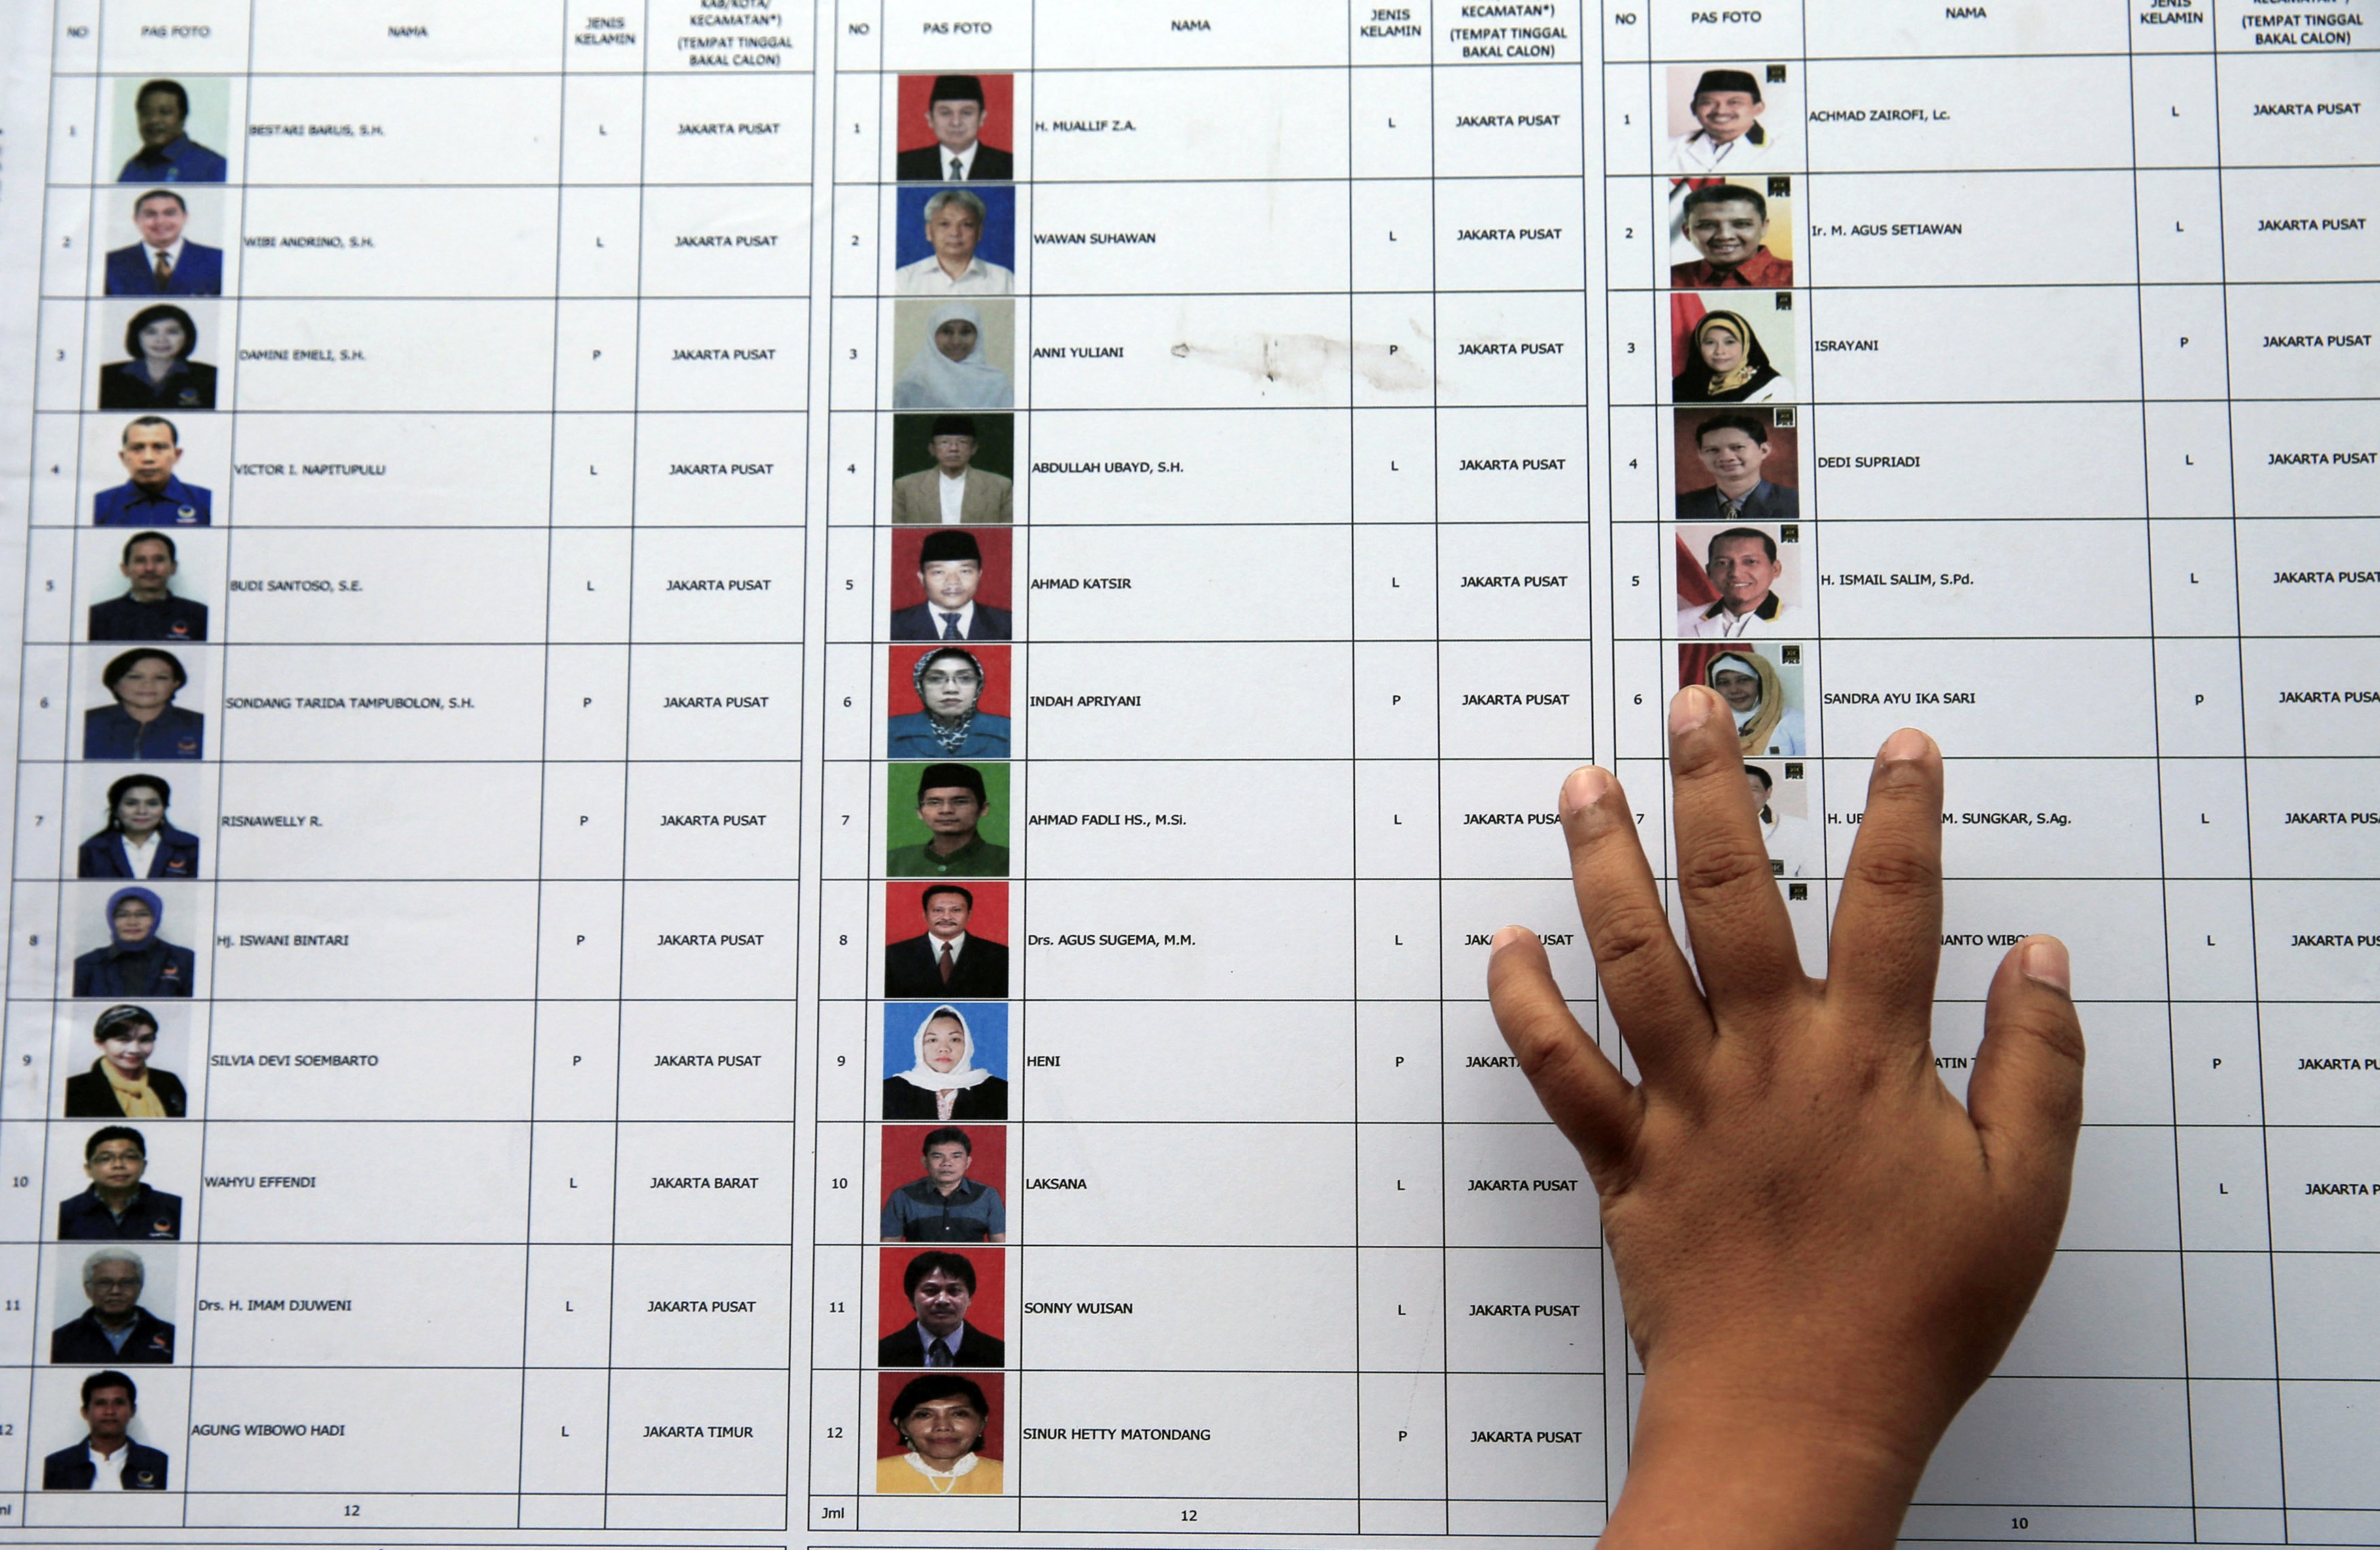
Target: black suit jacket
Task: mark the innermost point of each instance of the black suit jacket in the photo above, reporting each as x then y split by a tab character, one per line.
152	1341
918	623
91	1096
928	165
70	1469
905	1347
988	1099
913	972
1768	502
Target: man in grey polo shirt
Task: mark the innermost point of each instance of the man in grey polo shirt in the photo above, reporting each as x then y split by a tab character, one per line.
944	1206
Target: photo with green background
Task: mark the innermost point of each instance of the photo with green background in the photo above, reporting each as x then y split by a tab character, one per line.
902	825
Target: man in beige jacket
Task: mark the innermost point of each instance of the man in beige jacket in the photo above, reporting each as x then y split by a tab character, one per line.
952	491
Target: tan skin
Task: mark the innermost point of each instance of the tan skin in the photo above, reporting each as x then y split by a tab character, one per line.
1740	690
114	1171
149	568
113	1288
956	125
161	219
946	1166
149	455
108	1414
944	1044
952	453
1726	115
950	689
161	117
955	232
953	813
1742	572
1727	231
951	585
126	1050
955	338
140	812
1722	349
942	1431
162	344
941	1303
146	689
1821	1252
1733	459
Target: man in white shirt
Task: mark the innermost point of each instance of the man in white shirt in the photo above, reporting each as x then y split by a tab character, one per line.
954	221
1788	857
1725	141
952	490
107	1458
1743	565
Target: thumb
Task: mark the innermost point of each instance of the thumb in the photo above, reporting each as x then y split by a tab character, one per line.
2026	1095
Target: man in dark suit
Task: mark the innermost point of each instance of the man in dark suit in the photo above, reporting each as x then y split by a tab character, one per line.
116	1327
1732	447
150	611
941	1287
946	962
162	263
107	1410
955	111
950	568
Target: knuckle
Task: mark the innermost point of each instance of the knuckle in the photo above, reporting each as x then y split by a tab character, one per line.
1624	936
1896	868
1719	868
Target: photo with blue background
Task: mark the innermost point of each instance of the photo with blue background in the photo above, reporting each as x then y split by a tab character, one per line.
986	1021
997	244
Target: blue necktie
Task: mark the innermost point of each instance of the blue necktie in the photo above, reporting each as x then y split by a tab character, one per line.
951	627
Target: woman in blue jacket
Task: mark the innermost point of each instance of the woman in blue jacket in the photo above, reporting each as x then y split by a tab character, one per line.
136	962
138	840
946	725
144	722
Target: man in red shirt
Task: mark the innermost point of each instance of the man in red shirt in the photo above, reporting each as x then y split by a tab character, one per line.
1728	224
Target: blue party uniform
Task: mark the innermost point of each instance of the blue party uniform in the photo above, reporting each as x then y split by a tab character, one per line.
133	271
151	966
171	504
110	732
70	1469
176	855
123	385
179	160
150	1341
150	1214
168	618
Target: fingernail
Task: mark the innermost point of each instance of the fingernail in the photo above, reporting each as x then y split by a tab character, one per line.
2045	962
1505	936
1907	743
1690	709
1584	789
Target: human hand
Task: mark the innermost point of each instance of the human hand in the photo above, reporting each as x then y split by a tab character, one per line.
1820	1254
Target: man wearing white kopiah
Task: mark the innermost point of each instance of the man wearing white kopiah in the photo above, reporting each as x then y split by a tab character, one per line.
1742	562
954	220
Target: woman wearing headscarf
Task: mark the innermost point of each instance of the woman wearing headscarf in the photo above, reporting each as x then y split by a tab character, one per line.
943	1082
144	722
950	370
135	961
949	684
121	1085
139	840
1725	364
1755	693
161	374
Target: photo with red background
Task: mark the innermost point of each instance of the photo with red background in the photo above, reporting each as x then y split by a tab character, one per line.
904	908
888	1389
904	1163
916	96
901	682
987	1311
1783	466
991	593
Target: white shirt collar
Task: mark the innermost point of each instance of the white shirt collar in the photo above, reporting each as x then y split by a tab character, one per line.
958	945
927	1338
935	613
172	254
110	1466
965	159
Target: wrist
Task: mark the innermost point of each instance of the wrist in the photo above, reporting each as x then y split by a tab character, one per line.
1729	1464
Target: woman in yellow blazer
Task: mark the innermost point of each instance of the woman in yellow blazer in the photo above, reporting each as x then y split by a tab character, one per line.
942	1417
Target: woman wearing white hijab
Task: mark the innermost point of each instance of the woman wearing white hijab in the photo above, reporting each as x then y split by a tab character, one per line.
943	1083
951	370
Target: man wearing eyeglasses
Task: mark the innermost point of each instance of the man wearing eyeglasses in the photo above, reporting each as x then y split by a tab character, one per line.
115	1328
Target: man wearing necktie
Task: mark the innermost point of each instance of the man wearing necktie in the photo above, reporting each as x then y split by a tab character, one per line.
947	961
954	111
950	571
164	263
940	1287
